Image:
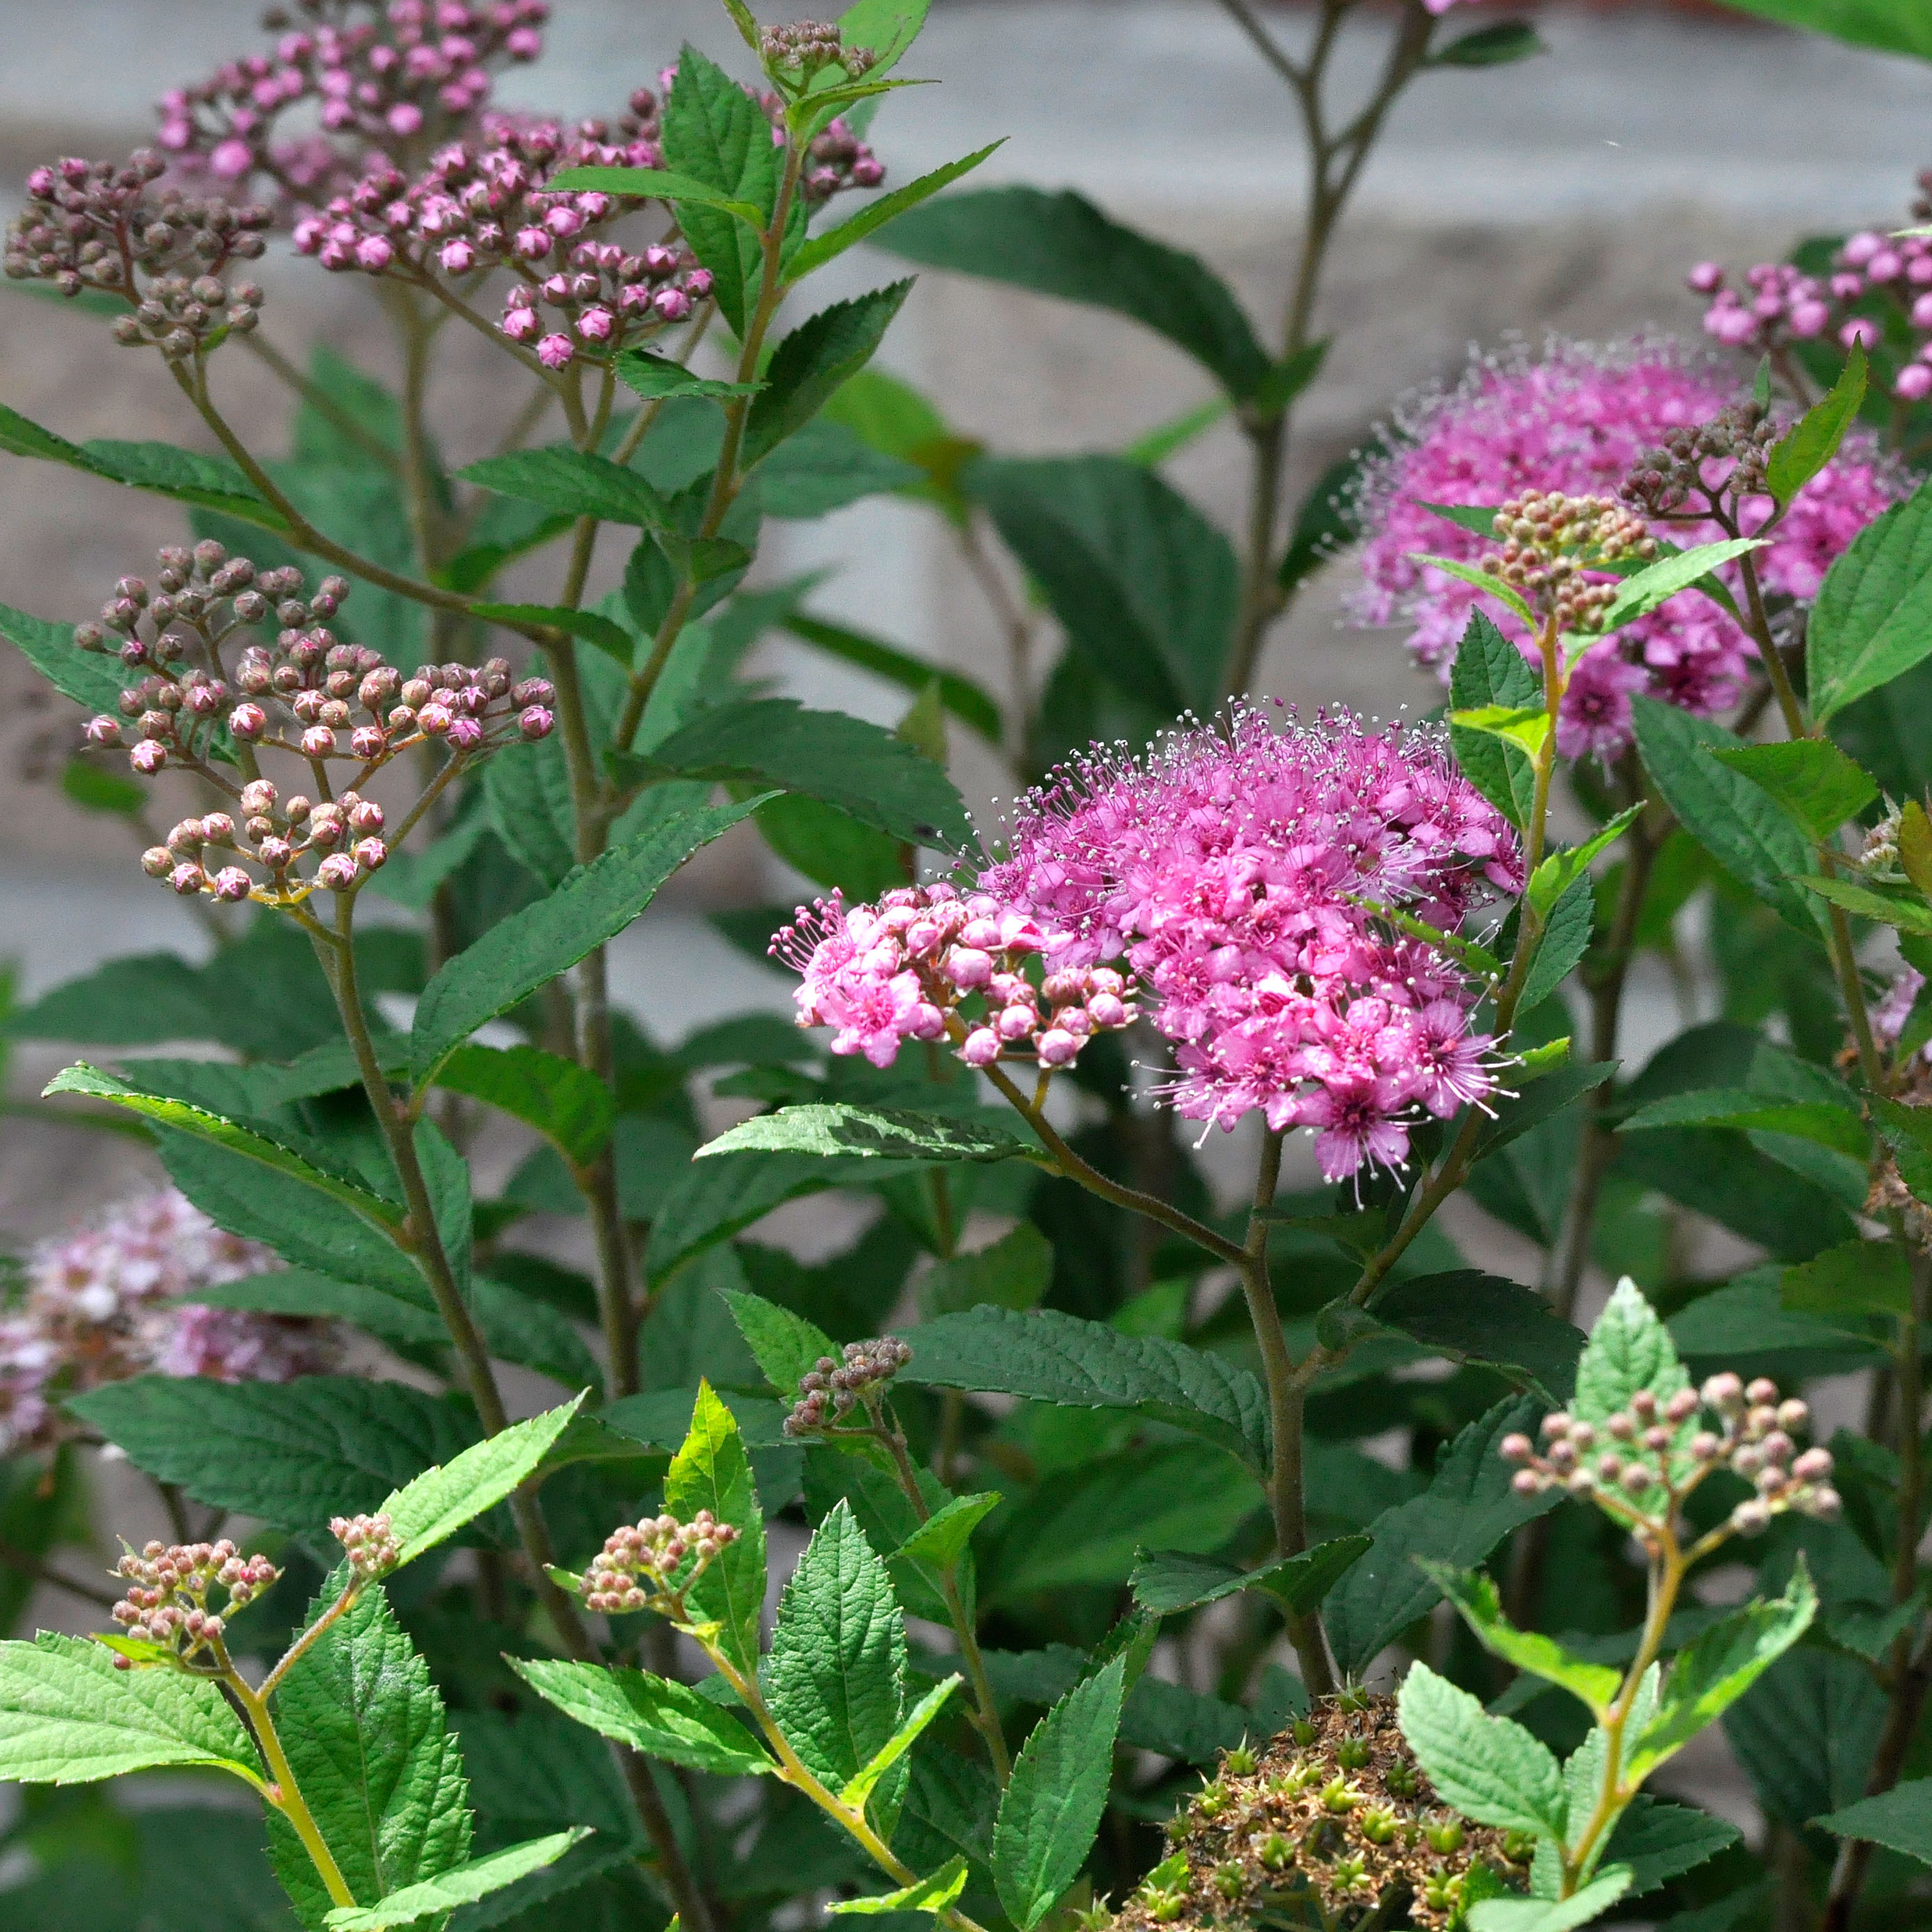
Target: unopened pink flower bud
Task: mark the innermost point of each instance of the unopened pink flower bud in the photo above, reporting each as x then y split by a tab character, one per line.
981	1047
338	872
148	757
102	730
1705	278
967	967
367	741
1515	1448
1814	1466
1526	1483
554	351
371	854
535	721
233	884
1913	383
434	719
247	721
186	878
158	861
1057	1047
318	741
521	325
464	734
274	853
1106	1011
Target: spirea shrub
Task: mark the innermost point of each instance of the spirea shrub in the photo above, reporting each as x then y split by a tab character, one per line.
1078	1517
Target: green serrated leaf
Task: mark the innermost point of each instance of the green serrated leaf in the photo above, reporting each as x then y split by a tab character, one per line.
464	1885
1873	618
293	1453
1819	786
1061	244
1473	1317
1046	1356
657	1715
365	1734
1817	1121
859	1789
1900	1819
256	1141
1540	1914
1467	1509
530	948
1562	870
788	1346
1907	915
1489	1769
1641	592
68	1716
655	376
1170	1581
863	768
711	1471
439	1502
836	1128
942	1539
1814	439
1567	933
835	1675
566	1103
572	482
1052	1805
1493	586
1475	1596
1711	1673
932	1894
1734	820
1489	670
94	680
874	216
812	362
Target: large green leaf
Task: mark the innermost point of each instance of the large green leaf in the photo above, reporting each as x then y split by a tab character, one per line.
566	1103
464	1885
1551	1915
715	131
1713	1673
1489	670
1061	244
1817	1121
1467	1509
1900	1819
1144	586
300	1291
364	1729
1053	1803
711	1471
257	1141
95	681
835	1130
68	1716
1045	1356
530	948
1817	784
863	768
823	352
656	1715
292	1453
1474	1597
1734	820
1473	1317
1808	1733
435	1504
1659	1841
1170	1580
874	216
787	1344
1814	440
1489	1769
1872	619
835	1677
1892	26
573	482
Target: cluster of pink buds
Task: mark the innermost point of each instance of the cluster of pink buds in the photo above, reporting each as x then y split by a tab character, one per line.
927	963
829	1390
409	72
1779	305
368	1543
478	208
1556	548
168	1587
634	1569
837	158
96	225
1639	1450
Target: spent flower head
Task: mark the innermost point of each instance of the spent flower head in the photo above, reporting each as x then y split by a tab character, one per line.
1337	1806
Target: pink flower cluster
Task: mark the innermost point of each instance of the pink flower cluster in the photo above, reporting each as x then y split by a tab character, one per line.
411	70
1778	305
107	1303
1577	420
928	963
1232	880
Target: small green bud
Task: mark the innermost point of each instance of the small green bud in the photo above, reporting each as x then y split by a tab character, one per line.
1446	1837
1212	1800
1230	1881
1353	1698
1239	1763
1275	1852
1340	1796
1442	1891
1378	1827
1350	1874
1352	1754
1519	1847
1401	1779
1303	1732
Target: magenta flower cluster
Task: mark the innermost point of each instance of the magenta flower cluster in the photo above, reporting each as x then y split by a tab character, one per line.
1234	881
928	963
408	71
115	1301
1577	420
478	208
1775	305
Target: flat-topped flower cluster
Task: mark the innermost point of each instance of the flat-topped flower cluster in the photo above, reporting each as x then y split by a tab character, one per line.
1235	882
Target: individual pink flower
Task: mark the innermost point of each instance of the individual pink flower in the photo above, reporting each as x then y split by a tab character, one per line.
1594	719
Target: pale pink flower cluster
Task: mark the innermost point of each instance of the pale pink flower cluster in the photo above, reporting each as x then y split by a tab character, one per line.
1577	420
407	71
107	1303
1232	881
1778	305
930	963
